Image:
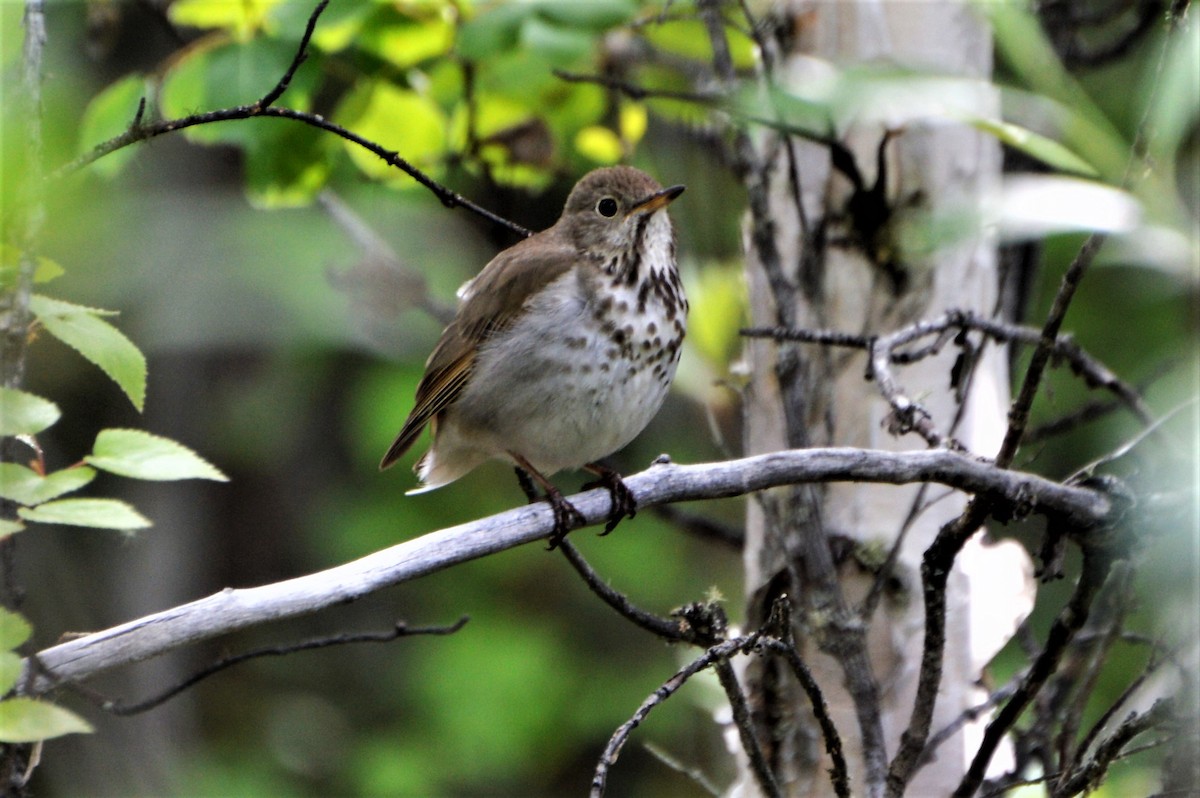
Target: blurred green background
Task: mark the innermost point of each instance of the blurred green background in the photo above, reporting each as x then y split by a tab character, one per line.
283	355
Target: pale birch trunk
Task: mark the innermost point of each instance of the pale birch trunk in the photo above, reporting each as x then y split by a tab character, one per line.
803	395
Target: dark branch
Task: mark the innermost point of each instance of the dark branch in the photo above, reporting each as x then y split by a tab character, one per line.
274	94
401	629
838	773
264	107
706	660
1096	567
667	629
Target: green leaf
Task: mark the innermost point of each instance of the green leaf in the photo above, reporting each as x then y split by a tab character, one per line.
217	73
593	15
9	527
110	114
97	513
242	18
493	32
44	270
25	414
1035	145
599	144
14	630
558	45
25	486
27	720
10	671
141	455
83	330
287	166
396	118
404	41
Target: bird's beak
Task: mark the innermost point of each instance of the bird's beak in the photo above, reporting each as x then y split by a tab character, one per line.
657	200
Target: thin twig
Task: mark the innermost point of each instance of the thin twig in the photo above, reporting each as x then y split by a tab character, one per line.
264	108
838	771
706	660
1096	566
401	629
664	628
745	727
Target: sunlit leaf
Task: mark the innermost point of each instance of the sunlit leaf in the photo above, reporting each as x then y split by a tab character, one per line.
44	269
141	455
24	413
83	330
599	144
14	630
633	121
689	38
1035	145
396	118
1032	206
242	18
8	527
25	486
27	720
404	41
109	114
10	671
718	299
97	513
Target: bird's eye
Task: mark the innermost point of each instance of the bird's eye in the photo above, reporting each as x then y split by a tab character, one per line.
607	207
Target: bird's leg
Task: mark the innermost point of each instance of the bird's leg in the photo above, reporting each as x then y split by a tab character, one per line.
623	502
566	517
526	482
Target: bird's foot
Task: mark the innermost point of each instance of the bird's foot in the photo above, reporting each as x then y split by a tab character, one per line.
624	505
566	518
526	482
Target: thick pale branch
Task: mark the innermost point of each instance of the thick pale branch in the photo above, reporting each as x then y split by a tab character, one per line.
230	609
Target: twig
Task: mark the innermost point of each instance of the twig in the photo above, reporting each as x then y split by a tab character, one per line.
667	629
1096	566
401	629
636	92
886	350
745	727
706	660
695	774
838	771
968	715
1089	774
264	108
275	93
702	526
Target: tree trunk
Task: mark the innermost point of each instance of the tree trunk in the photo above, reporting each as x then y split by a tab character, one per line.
814	267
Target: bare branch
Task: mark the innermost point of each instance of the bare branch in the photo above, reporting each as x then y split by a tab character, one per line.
1096	566
665	691
745	726
231	609
669	630
399	630
833	741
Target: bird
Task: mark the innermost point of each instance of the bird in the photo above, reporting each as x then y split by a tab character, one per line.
562	348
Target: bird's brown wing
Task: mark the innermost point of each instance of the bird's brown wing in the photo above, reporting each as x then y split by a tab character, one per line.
494	300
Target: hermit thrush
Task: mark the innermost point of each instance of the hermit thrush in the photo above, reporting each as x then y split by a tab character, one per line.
562	348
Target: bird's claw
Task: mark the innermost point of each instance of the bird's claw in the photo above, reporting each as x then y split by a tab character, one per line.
623	502
566	518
